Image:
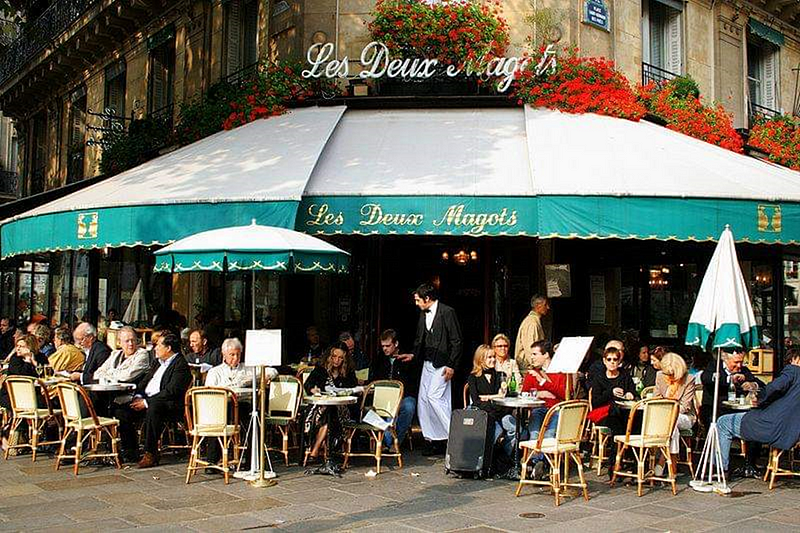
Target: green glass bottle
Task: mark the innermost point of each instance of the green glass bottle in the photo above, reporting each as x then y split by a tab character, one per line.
512	384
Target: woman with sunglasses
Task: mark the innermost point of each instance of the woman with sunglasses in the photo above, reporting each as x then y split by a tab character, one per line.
608	387
503	363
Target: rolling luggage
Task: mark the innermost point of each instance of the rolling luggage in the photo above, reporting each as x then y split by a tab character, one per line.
469	447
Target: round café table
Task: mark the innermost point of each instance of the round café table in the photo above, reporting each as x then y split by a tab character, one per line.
520	406
736	406
329	467
109	391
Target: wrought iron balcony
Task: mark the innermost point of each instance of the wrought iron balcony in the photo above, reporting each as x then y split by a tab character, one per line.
40	33
8	184
759	112
657	75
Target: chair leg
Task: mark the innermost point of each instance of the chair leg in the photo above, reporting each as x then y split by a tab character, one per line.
555	479
33	432
671	468
225	472
617	462
78	445
112	434
576	457
640	459
192	458
348	447
689	456
776	461
62	447
525	455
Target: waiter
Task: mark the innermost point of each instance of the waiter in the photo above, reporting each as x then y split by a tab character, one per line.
438	344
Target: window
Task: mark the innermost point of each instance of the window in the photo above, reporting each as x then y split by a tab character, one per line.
241	35
762	75
162	74
116	79
662	39
76	147
38	153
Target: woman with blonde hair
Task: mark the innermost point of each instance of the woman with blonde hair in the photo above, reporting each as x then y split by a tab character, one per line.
484	385
673	382
501	346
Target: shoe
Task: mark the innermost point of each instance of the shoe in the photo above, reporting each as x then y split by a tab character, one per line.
431	448
212	471
128	457
539	471
148	461
745	472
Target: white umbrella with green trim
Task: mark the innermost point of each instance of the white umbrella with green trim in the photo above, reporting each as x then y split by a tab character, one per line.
252	248
722	318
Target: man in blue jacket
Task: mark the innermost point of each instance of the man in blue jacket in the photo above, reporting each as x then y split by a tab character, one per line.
774	421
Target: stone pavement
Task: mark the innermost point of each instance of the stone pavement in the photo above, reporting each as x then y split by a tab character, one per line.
419	497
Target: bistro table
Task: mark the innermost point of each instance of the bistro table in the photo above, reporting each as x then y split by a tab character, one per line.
630	404
520	405
736	406
329	467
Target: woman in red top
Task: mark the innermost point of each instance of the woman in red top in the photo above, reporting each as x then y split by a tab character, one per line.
548	387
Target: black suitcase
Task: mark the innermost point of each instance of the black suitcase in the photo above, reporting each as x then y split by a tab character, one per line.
469	447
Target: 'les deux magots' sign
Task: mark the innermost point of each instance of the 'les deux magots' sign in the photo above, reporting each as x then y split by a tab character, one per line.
376	62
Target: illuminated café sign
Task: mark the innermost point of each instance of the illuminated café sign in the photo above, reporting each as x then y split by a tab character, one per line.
377	62
375	217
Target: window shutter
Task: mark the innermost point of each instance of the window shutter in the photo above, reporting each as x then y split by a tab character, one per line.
159	84
115	96
673	35
233	36
769	84
657	37
250	35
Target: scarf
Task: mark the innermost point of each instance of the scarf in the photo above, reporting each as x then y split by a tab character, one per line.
672	387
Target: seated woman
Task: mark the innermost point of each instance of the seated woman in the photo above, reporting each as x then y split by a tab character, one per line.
503	363
23	363
607	387
674	382
336	370
484	385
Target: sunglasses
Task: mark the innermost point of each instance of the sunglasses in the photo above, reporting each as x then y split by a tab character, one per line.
612	359
501	345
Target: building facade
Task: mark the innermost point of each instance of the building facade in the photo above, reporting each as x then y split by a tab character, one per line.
80	68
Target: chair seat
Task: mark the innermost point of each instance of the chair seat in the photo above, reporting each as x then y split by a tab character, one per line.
214	431
278	420
636	440
88	423
687	432
603	430
361	425
550	445
40	413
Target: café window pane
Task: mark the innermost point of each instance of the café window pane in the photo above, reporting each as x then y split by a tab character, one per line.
673	291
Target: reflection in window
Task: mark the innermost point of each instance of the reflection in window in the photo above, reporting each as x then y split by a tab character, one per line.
673	291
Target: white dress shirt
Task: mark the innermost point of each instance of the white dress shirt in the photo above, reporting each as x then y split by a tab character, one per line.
154	385
225	376
123	369
431	314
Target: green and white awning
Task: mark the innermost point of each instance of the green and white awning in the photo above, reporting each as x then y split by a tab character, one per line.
530	172
253	247
257	171
722	316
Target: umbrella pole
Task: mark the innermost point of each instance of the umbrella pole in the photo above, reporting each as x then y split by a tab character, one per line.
711	460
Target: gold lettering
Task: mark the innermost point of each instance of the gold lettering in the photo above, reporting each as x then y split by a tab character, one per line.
477	222
374	215
321	217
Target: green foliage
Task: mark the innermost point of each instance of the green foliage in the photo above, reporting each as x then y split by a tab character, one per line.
684	87
141	142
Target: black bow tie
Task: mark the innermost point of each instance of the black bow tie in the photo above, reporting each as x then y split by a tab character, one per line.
427	310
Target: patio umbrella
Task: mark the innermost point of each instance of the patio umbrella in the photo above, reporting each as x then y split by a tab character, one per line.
253	247
722	318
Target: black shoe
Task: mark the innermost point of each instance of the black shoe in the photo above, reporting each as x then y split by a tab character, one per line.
430	449
746	471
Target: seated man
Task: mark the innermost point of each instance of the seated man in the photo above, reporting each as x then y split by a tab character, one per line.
232	374
158	399
775	421
391	364
127	364
732	369
201	352
97	352
358	358
67	356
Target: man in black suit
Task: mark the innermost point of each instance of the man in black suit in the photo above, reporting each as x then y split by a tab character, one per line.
97	352
438	345
158	399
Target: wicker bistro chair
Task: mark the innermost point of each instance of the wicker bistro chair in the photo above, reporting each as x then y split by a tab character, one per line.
658	420
91	427
560	449
386	396
207	417
647	392
285	394
774	467
25	407
598	435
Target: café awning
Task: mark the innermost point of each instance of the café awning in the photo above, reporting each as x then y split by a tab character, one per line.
523	171
257	171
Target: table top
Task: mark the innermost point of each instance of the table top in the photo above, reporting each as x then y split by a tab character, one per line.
242	391
629	404
330	400
736	406
109	387
53	380
518	402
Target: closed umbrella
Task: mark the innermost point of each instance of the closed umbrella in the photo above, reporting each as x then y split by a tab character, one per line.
253	247
722	318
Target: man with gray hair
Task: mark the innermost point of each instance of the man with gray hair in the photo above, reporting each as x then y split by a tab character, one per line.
531	331
232	373
97	352
67	357
127	364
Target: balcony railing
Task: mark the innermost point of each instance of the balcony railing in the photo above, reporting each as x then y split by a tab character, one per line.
759	112
657	75
243	75
8	184
40	33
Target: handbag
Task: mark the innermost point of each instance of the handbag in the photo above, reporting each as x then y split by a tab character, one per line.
598	414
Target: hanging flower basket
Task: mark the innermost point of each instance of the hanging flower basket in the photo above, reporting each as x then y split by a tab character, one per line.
779	139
